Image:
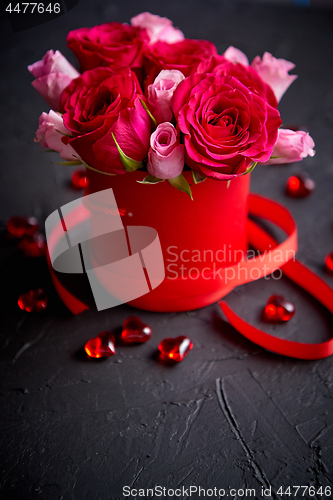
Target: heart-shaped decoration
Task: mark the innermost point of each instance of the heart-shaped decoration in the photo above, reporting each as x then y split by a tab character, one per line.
33	246
175	348
102	346
18	227
33	301
278	309
79	179
135	331
329	263
300	185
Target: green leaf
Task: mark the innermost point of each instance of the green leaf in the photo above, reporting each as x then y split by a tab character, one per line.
70	163
94	169
228	183
48	151
129	164
198	177
149	113
62	133
150	179
274	157
181	184
252	167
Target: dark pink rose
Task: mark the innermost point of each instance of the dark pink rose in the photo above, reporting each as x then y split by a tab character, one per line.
226	126
110	44
53	73
247	75
184	56
102	102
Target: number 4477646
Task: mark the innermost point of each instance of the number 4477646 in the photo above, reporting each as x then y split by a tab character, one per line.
305	491
31	7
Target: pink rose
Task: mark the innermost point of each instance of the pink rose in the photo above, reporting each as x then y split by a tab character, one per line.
53	73
160	94
275	72
102	102
50	132
219	65
110	44
236	56
226	126
166	156
184	56
158	28
291	146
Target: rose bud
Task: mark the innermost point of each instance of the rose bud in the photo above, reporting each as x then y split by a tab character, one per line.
53	73
158	28
291	146
236	56
274	72
166	156
160	94
50	132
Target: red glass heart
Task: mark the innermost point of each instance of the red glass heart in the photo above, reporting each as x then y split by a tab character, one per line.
33	301
300	185
278	309
135	331
18	227
329	263
79	179
102	346
33	246
175	348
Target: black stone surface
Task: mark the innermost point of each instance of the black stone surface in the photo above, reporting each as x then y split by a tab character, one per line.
231	415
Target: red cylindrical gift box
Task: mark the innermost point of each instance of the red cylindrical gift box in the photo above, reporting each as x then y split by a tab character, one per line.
198	237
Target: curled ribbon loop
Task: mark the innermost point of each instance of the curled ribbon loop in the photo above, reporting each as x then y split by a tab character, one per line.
296	271
273	256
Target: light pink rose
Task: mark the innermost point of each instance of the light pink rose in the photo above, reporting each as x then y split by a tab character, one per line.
236	56
166	156
158	28
51	130
291	146
53	73
275	73
160	94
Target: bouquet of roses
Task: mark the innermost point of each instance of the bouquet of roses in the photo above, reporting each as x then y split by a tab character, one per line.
148	98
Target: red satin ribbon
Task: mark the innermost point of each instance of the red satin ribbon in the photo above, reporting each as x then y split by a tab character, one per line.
274	256
296	271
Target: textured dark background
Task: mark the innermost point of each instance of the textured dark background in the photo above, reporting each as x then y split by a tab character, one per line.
232	414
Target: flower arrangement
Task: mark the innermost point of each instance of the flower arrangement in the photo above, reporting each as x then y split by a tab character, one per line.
148	98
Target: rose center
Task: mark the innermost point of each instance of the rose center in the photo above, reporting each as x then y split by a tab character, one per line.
99	107
221	121
164	139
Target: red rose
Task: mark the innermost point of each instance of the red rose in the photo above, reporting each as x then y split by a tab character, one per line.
110	44
226	126
184	56
219	65
102	102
